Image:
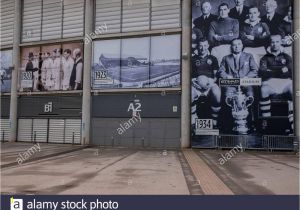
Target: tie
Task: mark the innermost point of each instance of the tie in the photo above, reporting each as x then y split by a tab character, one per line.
236	63
239	11
269	17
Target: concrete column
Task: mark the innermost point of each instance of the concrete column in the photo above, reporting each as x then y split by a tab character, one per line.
13	116
297	67
186	69
86	99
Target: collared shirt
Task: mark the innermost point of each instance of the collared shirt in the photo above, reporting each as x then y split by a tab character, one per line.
273	64
270	16
204	65
239	9
206	16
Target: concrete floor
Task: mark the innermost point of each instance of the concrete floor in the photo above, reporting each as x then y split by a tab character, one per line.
66	169
94	171
256	172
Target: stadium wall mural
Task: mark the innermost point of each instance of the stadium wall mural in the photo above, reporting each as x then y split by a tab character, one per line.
137	62
57	67
242	70
5	70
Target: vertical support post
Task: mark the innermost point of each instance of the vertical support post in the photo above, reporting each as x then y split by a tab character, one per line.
13	115
186	69
86	99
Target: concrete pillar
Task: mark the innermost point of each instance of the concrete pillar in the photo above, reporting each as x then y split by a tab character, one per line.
86	99
186	69
13	116
297	67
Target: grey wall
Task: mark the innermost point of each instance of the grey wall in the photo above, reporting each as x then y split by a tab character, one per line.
153	105
148	133
5	104
63	106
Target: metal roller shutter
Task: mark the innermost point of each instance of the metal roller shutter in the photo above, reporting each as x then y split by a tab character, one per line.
56	131
25	130
4	130
31	20
108	12
7	21
52	16
72	128
39	130
73	18
165	14
136	15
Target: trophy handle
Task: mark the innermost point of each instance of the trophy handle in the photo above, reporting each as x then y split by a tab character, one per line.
228	101
250	100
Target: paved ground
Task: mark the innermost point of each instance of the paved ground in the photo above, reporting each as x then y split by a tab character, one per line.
66	169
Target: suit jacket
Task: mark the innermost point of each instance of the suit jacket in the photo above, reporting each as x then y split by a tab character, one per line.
203	25
240	17
247	67
274	23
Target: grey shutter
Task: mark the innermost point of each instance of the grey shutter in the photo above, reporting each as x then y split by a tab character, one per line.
52	19
73	128
31	20
108	14
136	15
165	14
73	18
40	130
25	130
4	130
7	21
56	131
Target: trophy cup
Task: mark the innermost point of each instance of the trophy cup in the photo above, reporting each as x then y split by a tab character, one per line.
239	104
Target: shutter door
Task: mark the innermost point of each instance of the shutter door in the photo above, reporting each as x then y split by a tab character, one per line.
136	15
7	21
25	130
4	130
108	12
31	20
165	14
40	130
73	127
56	131
52	19
73	19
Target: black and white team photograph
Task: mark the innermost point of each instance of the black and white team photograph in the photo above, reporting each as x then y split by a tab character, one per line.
5	70
52	68
242	69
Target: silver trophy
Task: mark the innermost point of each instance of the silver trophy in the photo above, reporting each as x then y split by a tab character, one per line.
239	104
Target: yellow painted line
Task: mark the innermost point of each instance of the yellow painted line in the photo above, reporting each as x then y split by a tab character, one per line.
210	183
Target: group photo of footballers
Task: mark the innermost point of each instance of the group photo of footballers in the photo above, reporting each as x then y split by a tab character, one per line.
242	39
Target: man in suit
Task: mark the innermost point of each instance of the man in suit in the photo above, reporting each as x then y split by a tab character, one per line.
238	65
272	18
203	22
239	12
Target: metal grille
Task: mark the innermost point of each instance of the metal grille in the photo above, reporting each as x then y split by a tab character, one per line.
4	130
280	142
